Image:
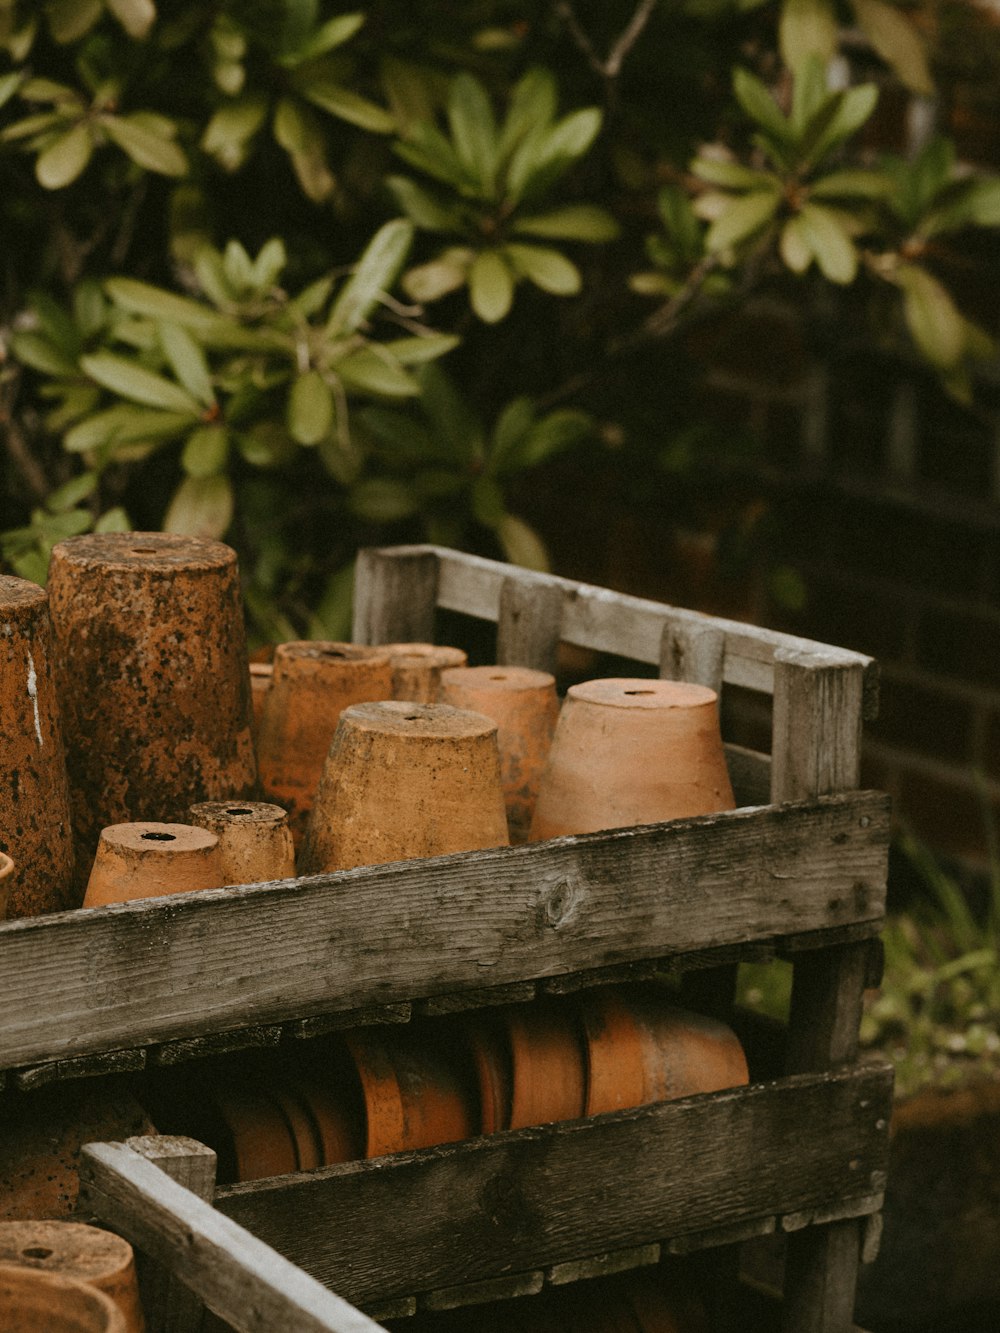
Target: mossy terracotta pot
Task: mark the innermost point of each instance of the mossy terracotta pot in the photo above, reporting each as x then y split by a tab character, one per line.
312	683
548	1062
83	1253
153	677
255	842
39	1302
524	705
417	668
641	1049
632	752
6	871
35	827
147	860
405	780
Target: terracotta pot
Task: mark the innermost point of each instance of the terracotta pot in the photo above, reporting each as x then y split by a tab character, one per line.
262	1142
37	1302
147	860
261	674
255	842
35	826
313	682
152	669
641	1049
525	707
302	1127
632	752
84	1253
548	1062
405	780
338	1119
489	1053
416	1091
417	668
6	870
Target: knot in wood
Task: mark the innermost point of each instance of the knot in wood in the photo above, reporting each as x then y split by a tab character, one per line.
504	1204
558	903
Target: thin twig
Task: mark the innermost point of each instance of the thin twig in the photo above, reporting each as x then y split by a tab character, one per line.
610	67
15	443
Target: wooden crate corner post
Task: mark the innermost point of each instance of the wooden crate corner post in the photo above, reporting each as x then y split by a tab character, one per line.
395	595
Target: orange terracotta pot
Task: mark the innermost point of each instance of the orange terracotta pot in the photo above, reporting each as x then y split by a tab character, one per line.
490	1056
641	1049
548	1062
405	780
663	1307
37	1302
313	682
151	659
262	1141
525	707
338	1116
35	827
417	668
6	870
255	842
147	860
632	752
302	1127
83	1253
261	674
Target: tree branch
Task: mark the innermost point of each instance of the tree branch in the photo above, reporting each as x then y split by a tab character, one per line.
610	67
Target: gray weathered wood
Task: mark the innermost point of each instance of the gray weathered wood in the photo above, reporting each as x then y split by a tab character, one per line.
604	1265
571	982
490	1289
529	624
820	1279
216	1043
395	591
370	1016
518	992
693	653
237	1276
157	970
816	742
750	774
88	1066
510	1203
746	1229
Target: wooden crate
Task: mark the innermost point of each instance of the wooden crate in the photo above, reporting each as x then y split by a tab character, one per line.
798	871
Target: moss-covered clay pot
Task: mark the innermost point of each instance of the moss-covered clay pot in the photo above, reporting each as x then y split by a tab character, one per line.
255	842
83	1253
524	705
632	752
35	827
38	1302
405	780
417	668
147	860
153	677
312	683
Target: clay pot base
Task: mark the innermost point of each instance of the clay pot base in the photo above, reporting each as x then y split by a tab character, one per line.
147	860
38	1302
548	1063
417	669
255	843
82	1253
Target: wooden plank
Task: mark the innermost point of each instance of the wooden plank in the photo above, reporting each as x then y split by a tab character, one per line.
604	1265
395	591
157	970
820	1279
87	1066
735	1232
529	624
693	653
236	1275
372	1016
490	1289
816	743
518	992
510	1203
750	774
216	1043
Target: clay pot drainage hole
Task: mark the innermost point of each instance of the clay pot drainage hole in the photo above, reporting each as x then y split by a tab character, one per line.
239	810
36	1252
158	837
639	691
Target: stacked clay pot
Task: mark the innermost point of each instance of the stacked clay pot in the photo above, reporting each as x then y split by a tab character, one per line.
79	1252
417	669
255	842
148	860
38	1302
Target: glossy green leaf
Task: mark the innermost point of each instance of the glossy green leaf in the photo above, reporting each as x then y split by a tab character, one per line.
427	347
138	384
205	451
852	184
422	208
521	543
897	41
384	500
310	411
473	129
230	129
679	220
545	267
429	282
135	16
794	245
964	203
830	243
146	148
142	298
935	324
540	160
572	222
187	361
851	110
9	84
807	28
69	495
350	106
809	90
333	33
65	158
491	286
760	106
731	175
201	507
69	20
125	424
31	126
427	149
744	217
33	350
373	370
512	426
532	107
297	131
373	277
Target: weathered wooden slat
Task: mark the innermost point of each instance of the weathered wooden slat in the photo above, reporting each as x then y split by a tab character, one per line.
371	1016
133	974
395	591
518	992
511	1203
216	1043
529	625
693	653
237	1276
746	1229
604	1265
490	1289
88	1066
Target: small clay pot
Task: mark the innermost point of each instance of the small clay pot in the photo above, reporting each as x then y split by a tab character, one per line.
151	656
37	1302
35	827
260	682
405	780
83	1253
632	752
255	842
262	1141
417	669
6	870
548	1062
524	705
147	860
338	1116
489	1053
641	1049
312	683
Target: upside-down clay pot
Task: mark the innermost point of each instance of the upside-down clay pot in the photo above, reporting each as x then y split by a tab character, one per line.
37	1302
147	860
262	1141
35	825
152	670
312	683
524	705
255	842
405	780
337	1115
6	871
548	1062
489	1053
641	1049
83	1253
260	683
417	669
632	752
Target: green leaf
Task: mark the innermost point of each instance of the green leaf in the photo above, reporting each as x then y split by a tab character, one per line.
266	268
310	411
425	347
334	32
512	425
373	277
297	130
142	298
137	384
427	149
9	85
807	28
135	16
373	370
557	431
267	445
40	354
936	326
852	184
491	286
422	208
794	245
205	451
545	267
732	175
897	42
834	250
532	107
760	106
65	158
384	500
350	106
146	148
810	89
473	129
572	222
487	501
187	361
744	217
125	425
851	110
429	282
540	160
69	20
69	495
521	543
114	520
230	129
455	422
201	507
